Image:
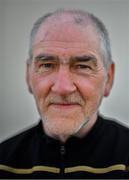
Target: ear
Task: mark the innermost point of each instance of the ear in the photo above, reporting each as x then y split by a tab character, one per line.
110	79
28	64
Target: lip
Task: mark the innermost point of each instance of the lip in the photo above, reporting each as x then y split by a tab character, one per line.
64	105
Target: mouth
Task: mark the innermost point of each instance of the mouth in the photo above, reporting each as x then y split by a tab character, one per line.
64	105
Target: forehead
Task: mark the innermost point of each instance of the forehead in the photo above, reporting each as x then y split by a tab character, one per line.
66	36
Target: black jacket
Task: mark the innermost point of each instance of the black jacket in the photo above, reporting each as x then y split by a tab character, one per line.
103	153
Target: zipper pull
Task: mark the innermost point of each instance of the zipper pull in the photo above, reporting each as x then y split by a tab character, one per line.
62	150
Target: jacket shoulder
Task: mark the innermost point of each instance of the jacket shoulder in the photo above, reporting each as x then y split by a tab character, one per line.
17	143
115	124
115	130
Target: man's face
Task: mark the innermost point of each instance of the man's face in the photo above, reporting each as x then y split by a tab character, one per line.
66	77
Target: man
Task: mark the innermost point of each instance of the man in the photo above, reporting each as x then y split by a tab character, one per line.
69	71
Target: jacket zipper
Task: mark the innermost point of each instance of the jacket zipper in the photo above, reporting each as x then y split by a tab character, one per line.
62	153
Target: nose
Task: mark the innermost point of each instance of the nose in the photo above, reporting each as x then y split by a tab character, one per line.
63	83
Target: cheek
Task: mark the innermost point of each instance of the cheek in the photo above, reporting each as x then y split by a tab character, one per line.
91	88
41	86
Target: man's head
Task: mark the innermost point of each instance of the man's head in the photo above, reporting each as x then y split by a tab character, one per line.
69	71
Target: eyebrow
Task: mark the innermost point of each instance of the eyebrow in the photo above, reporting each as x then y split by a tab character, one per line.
45	57
85	58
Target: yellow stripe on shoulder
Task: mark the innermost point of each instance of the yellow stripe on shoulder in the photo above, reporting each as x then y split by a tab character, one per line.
30	170
89	169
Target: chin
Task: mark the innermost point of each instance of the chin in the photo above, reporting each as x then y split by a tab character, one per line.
62	128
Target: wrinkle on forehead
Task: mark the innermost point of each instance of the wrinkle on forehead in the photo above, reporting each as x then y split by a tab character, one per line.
64	45
58	47
64	49
60	44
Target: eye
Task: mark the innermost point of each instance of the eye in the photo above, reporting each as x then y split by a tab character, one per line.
83	66
47	65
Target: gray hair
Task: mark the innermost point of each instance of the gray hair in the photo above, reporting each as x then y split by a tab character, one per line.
82	18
